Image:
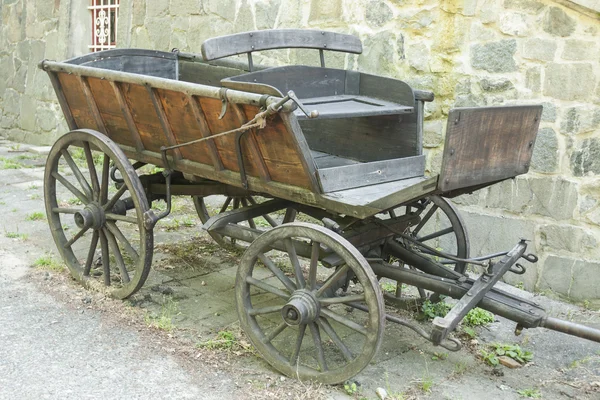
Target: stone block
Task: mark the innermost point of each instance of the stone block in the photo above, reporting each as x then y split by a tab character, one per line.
585	286
266	14
377	13
539	49
586	160
556	274
529	6
417	55
494	233
580	119
488	11
569	238
569	81
496	84
479	32
245	20
292	14
549	112
378	54
185	7
556	22
545	152
514	24
27	114
159	30
46	119
578	50
432	133
156	9
325	10
12	100
494	56
533	79
18	80
138	13
551	197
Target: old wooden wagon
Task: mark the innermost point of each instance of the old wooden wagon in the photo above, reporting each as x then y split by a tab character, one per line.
339	146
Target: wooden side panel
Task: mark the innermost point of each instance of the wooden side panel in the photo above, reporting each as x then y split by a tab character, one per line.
488	144
78	104
279	151
366	138
184	126
111	113
226	145
144	115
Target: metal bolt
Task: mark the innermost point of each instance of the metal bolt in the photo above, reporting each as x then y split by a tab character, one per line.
252	47
452	152
325	45
251	34
530	144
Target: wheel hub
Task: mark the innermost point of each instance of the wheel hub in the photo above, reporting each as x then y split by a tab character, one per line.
302	308
92	216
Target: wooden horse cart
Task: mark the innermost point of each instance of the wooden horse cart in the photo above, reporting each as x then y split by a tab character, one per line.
284	144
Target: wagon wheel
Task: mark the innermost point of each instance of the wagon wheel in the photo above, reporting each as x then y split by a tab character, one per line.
296	312
442	228
263	222
99	231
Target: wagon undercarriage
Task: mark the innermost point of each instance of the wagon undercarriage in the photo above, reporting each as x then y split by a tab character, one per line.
342	150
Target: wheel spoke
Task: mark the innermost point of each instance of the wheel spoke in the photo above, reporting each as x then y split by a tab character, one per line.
276	332
112	242
108	206
92	168
289	285
342	299
77	173
291	250
105	258
251	223
296	350
70	187
290	215
334	277
123	218
425	219
90	257
264	310
436	234
267	288
344	321
236	203
225	205
114	229
76	237
267	217
60	210
316	335
326	326
105	175
314	260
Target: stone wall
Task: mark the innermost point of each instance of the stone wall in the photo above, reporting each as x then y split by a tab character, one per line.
469	52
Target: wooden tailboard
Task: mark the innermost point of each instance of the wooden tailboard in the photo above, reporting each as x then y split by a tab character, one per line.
487	144
147	118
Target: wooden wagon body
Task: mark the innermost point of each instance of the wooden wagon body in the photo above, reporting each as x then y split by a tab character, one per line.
363	154
343	147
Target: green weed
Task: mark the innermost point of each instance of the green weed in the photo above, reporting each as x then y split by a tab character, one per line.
36	216
48	263
509	350
226	340
16	235
478	317
431	310
351	388
531	393
7	163
163	320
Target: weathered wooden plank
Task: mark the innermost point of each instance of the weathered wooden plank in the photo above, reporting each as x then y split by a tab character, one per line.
365	174
91	102
164	121
144	116
250	138
133	130
324	160
488	144
279	151
77	102
205	74
205	132
64	105
246	42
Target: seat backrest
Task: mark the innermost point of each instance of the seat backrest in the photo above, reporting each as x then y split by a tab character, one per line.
248	42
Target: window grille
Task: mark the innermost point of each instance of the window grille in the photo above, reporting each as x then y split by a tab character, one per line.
105	17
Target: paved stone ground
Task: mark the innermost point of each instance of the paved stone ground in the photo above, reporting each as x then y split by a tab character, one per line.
61	341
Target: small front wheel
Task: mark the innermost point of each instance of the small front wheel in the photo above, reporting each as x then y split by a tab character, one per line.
297	309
